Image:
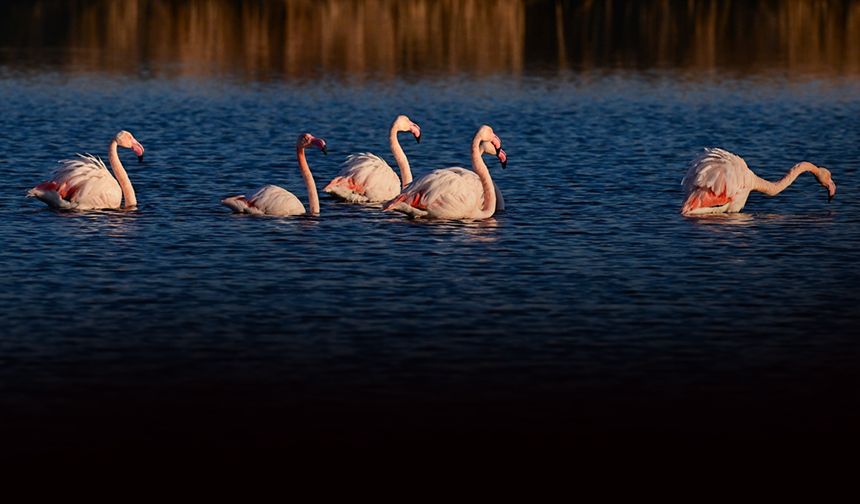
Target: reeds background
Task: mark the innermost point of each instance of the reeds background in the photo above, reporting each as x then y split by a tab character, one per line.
396	37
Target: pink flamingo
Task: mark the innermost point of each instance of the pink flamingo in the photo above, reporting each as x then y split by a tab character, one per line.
454	193
86	184
720	182
277	201
367	178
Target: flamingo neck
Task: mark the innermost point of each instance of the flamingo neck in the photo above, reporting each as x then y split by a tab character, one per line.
313	197
774	188
400	158
480	168
129	199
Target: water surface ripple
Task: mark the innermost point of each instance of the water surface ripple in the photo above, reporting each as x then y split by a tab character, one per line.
590	289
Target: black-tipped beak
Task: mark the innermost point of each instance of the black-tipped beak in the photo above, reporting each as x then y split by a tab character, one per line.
830	197
140	158
325	151
504	163
418	139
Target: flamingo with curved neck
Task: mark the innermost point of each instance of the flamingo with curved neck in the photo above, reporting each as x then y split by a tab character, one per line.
455	193
720	182
367	178
822	174
120	173
402	123
85	183
277	201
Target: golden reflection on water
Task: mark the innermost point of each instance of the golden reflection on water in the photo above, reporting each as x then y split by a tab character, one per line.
804	35
389	38
299	37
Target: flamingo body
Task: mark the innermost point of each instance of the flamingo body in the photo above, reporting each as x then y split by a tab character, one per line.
367	178
277	201
83	183
717	182
364	178
446	193
267	200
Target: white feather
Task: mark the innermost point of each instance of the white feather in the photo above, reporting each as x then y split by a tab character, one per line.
95	186
447	193
368	171
722	173
267	200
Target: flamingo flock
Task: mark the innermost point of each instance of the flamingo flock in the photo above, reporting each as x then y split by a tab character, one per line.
716	182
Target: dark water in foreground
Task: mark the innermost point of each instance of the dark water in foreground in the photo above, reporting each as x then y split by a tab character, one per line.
589	307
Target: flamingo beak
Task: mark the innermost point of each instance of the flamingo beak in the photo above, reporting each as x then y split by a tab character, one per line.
320	144
416	132
503	158
497	143
138	150
831	191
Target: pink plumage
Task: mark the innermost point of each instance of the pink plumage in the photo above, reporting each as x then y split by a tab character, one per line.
84	183
367	178
718	181
277	201
454	193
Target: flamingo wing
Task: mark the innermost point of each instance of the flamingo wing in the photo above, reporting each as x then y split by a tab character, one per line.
364	178
82	183
448	193
714	179
267	200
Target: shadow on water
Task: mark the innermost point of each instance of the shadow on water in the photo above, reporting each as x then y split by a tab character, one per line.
486	231
758	219
118	223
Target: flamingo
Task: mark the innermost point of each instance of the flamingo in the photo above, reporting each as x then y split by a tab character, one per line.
367	178
277	201
454	193
86	184
720	182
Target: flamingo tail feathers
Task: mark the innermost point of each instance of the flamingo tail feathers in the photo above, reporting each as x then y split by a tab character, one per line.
237	203
701	199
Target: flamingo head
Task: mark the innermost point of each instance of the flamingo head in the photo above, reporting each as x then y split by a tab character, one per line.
488	148
403	123
306	140
127	140
826	179
486	134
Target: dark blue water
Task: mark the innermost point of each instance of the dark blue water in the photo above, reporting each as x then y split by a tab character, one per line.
589	306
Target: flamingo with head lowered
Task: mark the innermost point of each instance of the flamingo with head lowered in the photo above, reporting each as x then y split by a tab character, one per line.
720	182
367	178
277	201
86	184
454	193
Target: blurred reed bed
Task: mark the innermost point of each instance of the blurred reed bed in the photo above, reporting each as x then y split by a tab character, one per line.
388	38
805	35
